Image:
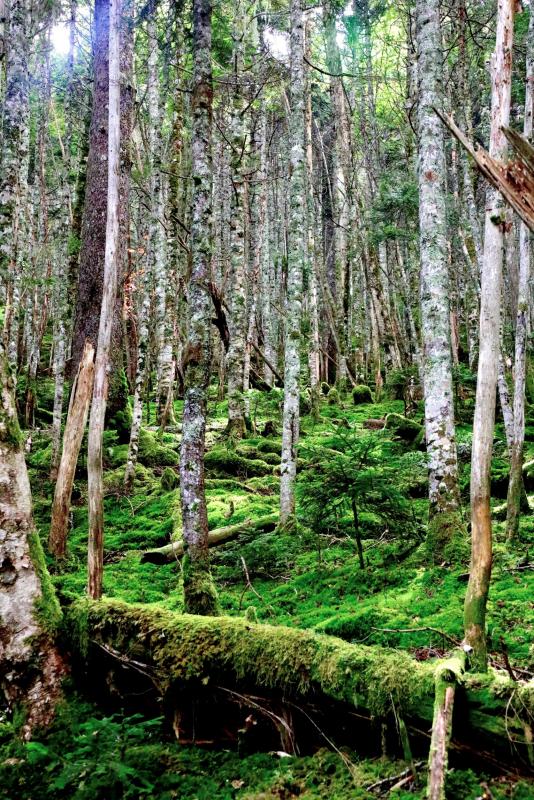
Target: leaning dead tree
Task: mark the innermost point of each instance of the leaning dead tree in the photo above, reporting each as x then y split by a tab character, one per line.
513	178
31	667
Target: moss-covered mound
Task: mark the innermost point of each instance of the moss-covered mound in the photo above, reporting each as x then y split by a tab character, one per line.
407	430
361	394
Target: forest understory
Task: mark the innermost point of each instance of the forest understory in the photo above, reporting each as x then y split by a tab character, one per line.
266	400
262	735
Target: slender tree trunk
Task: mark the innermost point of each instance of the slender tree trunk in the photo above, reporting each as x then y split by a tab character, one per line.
102	360
515	485
31	667
199	591
238	291
484	419
14	159
295	266
80	399
435	290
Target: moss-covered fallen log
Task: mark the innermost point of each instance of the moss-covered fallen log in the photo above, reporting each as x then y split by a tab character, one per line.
181	651
169	552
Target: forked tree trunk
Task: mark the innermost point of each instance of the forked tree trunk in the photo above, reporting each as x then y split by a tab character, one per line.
484	419
31	667
435	290
199	592
95	561
80	399
515	485
295	267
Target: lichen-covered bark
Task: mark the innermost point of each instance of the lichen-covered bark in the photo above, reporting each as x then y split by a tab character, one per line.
237	288
14	158
484	419
31	667
521	326
93	231
295	266
435	289
95	562
199	592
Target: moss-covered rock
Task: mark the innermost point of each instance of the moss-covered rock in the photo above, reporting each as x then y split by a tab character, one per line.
222	461
333	397
407	430
169	479
361	394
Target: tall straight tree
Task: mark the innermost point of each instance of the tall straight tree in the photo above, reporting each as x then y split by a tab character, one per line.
434	287
295	265
109	294
515	484
199	593
490	302
14	157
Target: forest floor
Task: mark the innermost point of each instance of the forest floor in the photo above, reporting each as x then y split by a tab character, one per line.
308	579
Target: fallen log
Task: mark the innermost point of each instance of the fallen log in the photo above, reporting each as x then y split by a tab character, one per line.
170	552
183	653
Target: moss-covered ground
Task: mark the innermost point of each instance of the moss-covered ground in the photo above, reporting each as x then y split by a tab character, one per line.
309	579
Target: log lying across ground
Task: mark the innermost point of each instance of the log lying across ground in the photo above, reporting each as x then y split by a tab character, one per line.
179	652
169	552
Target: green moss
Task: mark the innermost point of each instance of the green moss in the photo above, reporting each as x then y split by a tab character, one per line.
361	394
407	430
205	649
223	461
169	479
333	397
200	594
48	608
447	538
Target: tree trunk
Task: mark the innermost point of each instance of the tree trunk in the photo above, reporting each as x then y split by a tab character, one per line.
82	389
31	668
484	419
95	563
515	485
199	592
14	158
295	267
447	676
435	290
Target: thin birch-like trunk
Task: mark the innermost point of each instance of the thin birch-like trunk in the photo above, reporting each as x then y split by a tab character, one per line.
80	399
295	266
515	485
95	562
199	592
435	290
484	419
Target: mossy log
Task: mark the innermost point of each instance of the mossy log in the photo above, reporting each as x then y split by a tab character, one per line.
184	653
161	555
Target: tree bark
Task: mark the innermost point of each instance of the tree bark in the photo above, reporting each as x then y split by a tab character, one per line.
484	419
199	592
515	485
435	289
31	667
80	399
295	266
95	563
